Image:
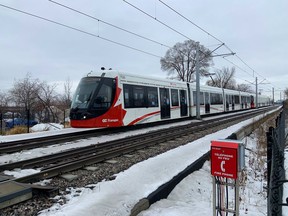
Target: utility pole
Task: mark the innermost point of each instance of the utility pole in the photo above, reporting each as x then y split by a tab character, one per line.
273	96
256	93
197	68
197	83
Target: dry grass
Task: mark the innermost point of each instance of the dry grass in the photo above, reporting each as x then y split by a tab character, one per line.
17	130
67	125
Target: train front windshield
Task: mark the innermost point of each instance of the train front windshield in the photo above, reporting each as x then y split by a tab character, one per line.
93	97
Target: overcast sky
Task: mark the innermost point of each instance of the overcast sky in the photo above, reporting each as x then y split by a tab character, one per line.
257	31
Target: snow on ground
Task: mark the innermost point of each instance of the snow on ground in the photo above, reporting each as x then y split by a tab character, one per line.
46	127
17	173
40	130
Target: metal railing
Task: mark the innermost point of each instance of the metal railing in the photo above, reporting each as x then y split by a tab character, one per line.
275	166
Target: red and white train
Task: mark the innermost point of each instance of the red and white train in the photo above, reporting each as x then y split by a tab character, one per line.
114	99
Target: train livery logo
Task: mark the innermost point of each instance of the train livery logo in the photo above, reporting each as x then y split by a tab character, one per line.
110	120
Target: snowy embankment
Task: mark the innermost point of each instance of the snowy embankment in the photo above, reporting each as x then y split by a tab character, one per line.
119	196
193	196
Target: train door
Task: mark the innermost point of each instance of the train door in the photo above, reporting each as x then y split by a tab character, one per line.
183	103
165	103
207	102
252	104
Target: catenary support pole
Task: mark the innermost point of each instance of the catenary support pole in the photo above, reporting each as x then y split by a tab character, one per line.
256	93
197	83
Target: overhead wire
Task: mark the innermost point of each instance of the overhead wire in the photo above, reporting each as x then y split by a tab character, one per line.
135	34
120	28
154	18
195	24
109	24
79	30
202	29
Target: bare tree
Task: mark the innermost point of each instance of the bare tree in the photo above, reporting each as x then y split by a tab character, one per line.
4	99
47	98
181	60
224	78
25	92
67	98
244	87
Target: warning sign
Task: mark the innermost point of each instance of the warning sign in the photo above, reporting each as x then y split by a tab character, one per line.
224	159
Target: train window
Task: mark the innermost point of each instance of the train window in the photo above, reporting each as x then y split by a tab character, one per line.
216	98
104	95
183	103
228	99
84	92
152	96
207	99
236	99
174	97
201	98
138	96
127	98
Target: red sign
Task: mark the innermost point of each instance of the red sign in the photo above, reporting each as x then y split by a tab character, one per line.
224	159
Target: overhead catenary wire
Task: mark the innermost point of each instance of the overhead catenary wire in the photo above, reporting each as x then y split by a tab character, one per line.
112	25
138	35
195	25
205	31
154	18
178	32
109	24
79	30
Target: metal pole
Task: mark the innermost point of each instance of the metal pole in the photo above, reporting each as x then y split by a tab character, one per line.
64	118
197	83
28	119
214	196
256	93
1	123
273	96
237	202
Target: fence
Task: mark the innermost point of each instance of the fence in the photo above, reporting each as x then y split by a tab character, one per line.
275	166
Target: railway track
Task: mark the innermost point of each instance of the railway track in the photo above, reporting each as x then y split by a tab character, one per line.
55	164
25	144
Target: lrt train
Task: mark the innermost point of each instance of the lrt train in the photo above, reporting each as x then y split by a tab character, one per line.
115	99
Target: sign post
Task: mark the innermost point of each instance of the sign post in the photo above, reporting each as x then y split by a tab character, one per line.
227	160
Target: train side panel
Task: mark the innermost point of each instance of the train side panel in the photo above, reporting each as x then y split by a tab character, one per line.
149	100
116	99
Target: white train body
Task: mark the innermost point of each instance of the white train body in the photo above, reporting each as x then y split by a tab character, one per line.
121	99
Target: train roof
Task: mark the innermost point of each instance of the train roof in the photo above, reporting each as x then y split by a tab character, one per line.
115	73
